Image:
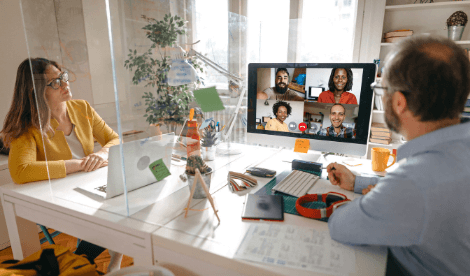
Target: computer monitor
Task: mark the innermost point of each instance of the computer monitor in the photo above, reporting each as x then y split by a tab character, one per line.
319	120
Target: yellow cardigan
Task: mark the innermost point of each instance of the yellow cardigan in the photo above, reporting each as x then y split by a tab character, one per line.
26	160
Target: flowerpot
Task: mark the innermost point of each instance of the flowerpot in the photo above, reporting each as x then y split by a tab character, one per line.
455	32
208	153
199	192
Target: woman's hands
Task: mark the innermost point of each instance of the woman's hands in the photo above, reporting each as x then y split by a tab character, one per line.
95	160
89	163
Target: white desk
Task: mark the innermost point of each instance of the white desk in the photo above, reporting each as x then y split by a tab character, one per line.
158	232
60	206
4	179
198	243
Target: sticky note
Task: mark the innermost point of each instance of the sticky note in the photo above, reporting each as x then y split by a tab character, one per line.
208	99
206	123
302	145
159	169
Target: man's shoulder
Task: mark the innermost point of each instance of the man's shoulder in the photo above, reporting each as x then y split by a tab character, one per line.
437	165
269	90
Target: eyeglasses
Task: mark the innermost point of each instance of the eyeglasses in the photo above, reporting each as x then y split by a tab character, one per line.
56	83
379	90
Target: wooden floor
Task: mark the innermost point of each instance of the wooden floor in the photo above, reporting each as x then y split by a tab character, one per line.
101	261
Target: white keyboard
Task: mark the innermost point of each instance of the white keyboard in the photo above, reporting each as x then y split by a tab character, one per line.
297	183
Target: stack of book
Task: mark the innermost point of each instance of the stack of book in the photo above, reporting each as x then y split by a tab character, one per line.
397	35
379	133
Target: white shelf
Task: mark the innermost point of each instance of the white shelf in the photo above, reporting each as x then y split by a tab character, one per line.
457	42
393	144
427	6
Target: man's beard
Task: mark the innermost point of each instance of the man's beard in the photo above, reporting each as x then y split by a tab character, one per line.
281	90
391	118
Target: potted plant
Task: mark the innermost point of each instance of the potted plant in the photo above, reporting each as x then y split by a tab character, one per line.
165	104
456	24
208	143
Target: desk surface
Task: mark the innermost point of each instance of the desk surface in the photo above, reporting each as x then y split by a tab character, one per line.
200	238
197	237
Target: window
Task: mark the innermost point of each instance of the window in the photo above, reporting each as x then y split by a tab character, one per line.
327	31
212	31
268	31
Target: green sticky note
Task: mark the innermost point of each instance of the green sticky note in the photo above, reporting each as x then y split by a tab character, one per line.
208	99
159	169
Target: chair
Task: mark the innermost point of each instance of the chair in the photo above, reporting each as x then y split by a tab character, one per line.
49	236
142	271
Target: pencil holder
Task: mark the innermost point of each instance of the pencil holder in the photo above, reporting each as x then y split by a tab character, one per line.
199	192
208	153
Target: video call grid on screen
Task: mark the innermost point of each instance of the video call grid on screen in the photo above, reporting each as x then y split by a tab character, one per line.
312	109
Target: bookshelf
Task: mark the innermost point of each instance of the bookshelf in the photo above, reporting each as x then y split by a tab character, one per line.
428	18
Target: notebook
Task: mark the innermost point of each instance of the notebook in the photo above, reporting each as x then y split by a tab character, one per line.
263	207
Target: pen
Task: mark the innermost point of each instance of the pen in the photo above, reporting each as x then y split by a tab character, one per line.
178	157
217	127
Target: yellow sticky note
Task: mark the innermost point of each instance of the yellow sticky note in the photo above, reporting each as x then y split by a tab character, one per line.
302	145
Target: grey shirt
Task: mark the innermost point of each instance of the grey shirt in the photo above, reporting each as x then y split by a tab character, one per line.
421	211
290	95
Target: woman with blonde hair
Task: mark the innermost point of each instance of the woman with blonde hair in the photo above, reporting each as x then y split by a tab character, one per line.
45	124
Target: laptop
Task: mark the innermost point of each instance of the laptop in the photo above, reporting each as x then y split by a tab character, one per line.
138	155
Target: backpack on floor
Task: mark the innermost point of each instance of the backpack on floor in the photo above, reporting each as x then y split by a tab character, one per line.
53	260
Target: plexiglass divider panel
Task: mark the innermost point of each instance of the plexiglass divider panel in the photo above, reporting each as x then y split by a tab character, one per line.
70	131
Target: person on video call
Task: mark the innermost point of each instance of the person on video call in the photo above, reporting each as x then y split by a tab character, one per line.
420	211
281	91
337	115
44	120
341	80
281	110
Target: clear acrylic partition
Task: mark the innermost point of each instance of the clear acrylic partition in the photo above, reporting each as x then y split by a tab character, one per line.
151	99
73	34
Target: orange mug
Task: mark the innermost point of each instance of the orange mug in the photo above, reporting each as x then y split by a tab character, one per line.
380	158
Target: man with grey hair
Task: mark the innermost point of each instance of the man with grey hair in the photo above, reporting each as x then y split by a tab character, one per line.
421	210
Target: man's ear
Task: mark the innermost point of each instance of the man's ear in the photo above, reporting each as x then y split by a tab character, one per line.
399	103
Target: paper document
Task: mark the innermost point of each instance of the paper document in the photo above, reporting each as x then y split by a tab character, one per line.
323	186
296	247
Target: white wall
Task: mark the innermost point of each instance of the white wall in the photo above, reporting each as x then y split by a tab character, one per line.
13	52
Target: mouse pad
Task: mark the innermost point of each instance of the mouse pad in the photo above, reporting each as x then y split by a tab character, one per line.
263	207
289	201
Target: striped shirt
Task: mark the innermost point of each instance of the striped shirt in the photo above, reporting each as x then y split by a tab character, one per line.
345	132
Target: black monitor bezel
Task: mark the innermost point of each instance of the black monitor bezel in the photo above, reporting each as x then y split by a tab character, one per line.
365	101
